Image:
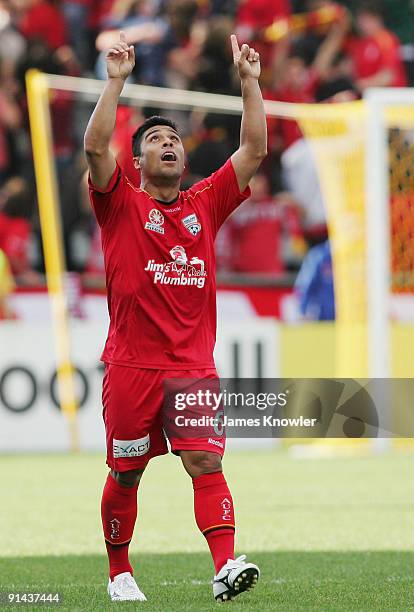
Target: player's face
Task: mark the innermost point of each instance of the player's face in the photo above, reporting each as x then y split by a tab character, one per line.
368	24
162	153
296	71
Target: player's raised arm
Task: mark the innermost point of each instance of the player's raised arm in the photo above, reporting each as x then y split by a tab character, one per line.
120	61
253	134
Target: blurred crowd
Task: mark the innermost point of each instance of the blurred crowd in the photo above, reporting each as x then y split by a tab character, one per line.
311	51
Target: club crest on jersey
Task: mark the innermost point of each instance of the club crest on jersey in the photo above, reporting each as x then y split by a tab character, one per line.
156	221
192	224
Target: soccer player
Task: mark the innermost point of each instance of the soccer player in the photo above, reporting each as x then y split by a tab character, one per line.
158	245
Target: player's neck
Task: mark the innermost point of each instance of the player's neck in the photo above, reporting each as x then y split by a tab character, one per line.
166	192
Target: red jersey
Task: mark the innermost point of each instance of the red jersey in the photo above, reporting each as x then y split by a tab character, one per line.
259	229
125	126
261	13
373	54
100	13
288	129
46	22
14	241
160	270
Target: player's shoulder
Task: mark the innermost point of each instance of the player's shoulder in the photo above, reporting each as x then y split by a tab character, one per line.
133	189
205	186
119	181
387	40
354	43
198	190
119	196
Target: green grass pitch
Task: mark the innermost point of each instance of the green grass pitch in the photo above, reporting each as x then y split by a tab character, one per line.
328	534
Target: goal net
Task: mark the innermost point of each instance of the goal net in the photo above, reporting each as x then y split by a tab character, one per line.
364	154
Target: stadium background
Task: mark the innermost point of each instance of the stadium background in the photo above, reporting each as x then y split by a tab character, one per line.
275	296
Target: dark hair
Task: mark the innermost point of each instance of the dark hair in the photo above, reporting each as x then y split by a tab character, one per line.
371	7
303	49
328	89
149	123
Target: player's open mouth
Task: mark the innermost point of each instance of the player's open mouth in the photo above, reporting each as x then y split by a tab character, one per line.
169	156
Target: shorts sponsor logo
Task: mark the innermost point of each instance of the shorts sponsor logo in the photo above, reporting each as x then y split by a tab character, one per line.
131	448
156	221
179	271
215	442
192	224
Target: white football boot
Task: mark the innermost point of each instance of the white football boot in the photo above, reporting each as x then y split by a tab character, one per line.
235	577
124	588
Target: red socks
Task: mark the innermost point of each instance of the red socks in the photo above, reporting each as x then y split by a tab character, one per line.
214	514
213	508
119	513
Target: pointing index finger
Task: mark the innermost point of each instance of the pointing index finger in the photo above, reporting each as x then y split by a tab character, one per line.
122	36
234	45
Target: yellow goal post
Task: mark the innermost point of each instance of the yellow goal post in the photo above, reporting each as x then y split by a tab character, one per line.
38	89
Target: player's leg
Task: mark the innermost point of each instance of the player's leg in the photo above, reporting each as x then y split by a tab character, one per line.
213	504
214	514
201	453
119	513
133	437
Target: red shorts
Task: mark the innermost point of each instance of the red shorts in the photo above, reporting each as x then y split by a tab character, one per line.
133	399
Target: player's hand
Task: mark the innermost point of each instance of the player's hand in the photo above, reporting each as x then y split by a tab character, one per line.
120	59
246	59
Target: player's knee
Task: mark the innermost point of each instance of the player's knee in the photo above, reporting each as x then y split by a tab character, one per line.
127	479
200	462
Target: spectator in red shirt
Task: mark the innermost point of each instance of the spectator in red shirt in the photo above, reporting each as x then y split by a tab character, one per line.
41	20
255	15
127	119
263	233
298	82
100	14
376	51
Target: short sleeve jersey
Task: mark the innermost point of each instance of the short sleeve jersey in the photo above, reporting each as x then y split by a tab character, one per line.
160	270
376	53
